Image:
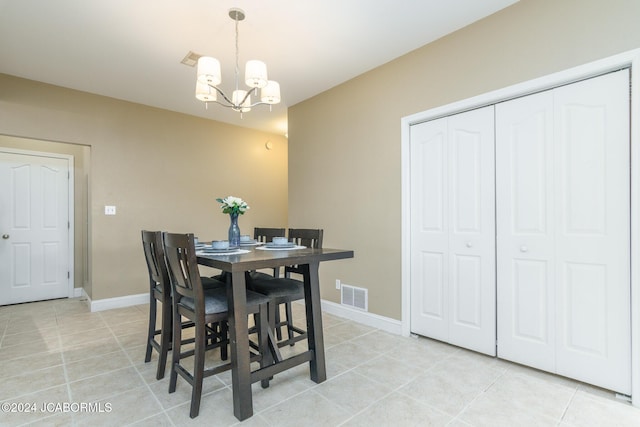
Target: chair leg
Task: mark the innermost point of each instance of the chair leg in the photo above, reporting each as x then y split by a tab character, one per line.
289	319
165	338
263	341
175	349
153	304
278	329
198	369
271	314
224	340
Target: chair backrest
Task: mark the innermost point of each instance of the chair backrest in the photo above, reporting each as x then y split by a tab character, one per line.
182	266
310	238
154	255
265	235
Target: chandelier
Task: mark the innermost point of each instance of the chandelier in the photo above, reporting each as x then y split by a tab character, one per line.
255	76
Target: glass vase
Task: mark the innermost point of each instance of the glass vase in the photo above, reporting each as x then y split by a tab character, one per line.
234	230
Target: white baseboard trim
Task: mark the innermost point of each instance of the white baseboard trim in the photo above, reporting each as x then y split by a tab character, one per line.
78	292
118	302
370	319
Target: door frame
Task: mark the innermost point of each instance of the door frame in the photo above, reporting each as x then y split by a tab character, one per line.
629	59
70	206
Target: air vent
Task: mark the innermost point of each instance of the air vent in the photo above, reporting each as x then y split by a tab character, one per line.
191	59
354	297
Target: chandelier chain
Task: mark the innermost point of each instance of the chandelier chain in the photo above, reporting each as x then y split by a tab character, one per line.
237	53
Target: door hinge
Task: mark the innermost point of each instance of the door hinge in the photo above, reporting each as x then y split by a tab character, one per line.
68	275
68	224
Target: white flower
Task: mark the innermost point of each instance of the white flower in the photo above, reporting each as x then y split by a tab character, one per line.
231	204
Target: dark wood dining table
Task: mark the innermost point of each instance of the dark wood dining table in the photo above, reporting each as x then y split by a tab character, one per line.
242	376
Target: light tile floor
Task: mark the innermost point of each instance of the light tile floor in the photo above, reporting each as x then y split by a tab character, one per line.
57	352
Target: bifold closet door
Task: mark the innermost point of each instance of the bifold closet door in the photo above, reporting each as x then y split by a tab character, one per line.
453	230
563	231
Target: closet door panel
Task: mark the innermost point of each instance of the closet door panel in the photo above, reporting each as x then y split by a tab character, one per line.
430	229
525	228
472	234
593	233
453	230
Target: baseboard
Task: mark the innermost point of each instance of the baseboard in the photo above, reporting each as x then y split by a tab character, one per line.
370	319
78	292
118	302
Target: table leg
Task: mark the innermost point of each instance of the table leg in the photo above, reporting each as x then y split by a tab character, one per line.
318	370
239	343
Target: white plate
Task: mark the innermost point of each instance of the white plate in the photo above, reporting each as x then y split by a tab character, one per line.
210	250
288	245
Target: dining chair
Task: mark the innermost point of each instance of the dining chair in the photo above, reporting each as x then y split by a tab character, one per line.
160	291
285	290
266	235
203	307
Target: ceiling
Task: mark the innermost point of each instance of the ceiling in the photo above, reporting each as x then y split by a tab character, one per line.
131	49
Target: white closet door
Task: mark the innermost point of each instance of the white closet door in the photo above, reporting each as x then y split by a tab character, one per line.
592	174
453	239
430	230
525	231
562	171
472	278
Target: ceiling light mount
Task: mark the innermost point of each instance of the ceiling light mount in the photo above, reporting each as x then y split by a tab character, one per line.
209	78
236	14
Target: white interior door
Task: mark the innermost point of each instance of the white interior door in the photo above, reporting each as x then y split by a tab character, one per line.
430	229
592	174
525	231
453	230
563	215
34	224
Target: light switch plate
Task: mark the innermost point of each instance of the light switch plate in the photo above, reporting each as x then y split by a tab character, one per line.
109	210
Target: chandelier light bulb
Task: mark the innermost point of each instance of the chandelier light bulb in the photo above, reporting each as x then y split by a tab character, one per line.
255	74
238	96
205	93
209	71
270	94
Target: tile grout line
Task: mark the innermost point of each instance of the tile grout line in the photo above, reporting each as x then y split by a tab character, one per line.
44	416
566	408
148	387
65	371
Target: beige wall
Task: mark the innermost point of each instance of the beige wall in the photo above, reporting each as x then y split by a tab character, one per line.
344	144
162	170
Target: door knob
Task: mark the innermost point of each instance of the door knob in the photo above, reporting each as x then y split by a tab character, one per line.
524	249
5	236
469	244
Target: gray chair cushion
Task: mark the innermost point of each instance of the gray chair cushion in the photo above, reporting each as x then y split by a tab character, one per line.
257	275
215	301
279	287
211	283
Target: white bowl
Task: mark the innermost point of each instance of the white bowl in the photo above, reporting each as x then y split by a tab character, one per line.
245	238
279	240
220	244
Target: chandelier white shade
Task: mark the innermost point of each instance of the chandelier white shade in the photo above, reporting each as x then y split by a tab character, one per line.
209	77
209	71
